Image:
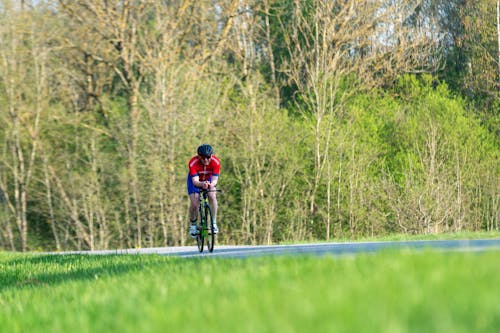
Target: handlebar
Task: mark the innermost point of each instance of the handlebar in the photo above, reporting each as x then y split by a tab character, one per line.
208	190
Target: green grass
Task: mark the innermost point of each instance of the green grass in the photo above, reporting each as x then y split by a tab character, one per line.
440	236
390	291
409	237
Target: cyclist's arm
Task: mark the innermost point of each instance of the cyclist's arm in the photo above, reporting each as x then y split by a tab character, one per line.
213	182
204	185
196	181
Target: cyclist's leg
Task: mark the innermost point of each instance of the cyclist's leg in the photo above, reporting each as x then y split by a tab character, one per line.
194	195
193	207
212	199
194	198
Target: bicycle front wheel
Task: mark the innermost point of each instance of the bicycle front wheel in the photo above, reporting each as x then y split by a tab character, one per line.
200	238
210	228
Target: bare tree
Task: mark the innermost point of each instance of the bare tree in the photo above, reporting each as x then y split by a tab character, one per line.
117	26
24	70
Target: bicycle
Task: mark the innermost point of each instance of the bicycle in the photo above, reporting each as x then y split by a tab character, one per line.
206	224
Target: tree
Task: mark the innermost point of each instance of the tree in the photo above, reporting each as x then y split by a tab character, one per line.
472	49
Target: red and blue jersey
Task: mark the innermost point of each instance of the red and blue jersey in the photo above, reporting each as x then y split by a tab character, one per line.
204	172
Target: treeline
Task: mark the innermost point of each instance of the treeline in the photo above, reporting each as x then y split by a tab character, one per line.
332	119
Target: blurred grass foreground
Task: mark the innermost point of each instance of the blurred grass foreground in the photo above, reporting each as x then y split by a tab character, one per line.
390	291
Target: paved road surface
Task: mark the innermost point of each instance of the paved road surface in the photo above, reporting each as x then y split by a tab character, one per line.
311	249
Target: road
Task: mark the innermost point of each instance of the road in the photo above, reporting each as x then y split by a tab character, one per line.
310	249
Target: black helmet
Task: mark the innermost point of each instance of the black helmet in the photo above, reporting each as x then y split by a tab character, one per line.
205	150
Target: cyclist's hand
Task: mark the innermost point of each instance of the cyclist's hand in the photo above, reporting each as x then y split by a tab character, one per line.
206	185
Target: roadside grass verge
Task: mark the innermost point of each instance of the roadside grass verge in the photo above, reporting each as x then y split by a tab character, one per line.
440	236
387	291
409	237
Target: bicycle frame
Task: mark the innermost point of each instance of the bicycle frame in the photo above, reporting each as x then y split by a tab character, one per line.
205	227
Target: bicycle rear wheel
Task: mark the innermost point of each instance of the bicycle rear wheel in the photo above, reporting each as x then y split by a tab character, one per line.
210	228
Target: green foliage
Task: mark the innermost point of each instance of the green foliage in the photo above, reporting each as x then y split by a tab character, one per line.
414	160
444	154
455	127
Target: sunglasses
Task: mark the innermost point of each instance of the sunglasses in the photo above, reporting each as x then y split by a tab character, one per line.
205	157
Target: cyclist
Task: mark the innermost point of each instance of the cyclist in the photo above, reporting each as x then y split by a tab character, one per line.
204	171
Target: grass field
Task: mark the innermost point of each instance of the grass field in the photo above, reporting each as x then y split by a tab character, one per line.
390	291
